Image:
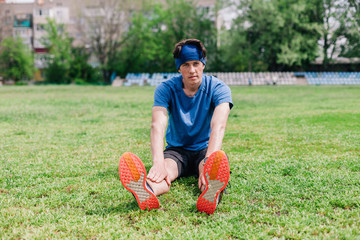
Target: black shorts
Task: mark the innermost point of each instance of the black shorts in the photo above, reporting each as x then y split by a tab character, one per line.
186	160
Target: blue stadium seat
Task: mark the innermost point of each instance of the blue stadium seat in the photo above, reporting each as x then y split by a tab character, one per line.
259	78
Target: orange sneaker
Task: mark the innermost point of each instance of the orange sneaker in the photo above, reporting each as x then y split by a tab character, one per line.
217	175
133	176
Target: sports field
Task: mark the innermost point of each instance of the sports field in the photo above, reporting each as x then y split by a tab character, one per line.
294	155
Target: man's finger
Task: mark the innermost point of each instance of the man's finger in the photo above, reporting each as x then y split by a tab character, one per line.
159	178
151	176
203	183
167	179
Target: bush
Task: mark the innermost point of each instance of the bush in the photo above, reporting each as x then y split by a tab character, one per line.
79	81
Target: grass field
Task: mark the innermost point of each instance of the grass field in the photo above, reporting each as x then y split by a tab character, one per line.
294	153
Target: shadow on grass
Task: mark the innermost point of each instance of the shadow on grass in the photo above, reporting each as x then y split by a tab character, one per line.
121	208
183	191
189	183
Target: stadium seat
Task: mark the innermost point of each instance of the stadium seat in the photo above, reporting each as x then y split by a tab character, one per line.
258	78
332	78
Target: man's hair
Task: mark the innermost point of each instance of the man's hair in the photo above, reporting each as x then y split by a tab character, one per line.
196	42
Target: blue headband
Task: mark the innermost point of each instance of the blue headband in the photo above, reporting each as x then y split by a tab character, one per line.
189	53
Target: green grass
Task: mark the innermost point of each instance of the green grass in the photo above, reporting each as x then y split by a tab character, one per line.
294	154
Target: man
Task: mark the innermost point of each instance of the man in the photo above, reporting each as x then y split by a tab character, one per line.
197	107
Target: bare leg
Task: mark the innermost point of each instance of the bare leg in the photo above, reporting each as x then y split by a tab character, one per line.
201	181
162	187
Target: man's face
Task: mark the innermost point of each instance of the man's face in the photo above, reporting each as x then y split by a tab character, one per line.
192	72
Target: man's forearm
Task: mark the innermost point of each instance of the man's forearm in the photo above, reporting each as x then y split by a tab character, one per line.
157	144
215	141
218	125
158	126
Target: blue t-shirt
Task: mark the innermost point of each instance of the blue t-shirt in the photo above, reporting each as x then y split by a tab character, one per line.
190	117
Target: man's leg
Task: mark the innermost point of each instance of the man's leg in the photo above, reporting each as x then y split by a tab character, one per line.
133	177
162	187
216	173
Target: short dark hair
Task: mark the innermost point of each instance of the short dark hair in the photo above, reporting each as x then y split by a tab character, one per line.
196	42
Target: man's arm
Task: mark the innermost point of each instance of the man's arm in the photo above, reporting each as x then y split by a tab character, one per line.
158	172
218	125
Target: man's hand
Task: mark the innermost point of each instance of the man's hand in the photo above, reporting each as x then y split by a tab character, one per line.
158	173
201	182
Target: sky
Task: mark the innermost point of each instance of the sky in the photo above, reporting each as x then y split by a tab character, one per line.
19	1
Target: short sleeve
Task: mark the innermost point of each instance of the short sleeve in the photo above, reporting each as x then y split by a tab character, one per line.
162	96
222	94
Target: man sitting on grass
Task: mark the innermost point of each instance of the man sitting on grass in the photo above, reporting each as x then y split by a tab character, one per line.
193	110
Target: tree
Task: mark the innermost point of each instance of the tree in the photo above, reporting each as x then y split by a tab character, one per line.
155	31
331	17
105	25
58	43
273	35
16	60
351	26
80	70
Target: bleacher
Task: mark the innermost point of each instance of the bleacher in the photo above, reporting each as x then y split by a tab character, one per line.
158	78
136	79
254	78
230	78
333	78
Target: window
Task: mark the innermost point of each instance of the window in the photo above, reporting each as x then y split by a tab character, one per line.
40	27
42	12
8	20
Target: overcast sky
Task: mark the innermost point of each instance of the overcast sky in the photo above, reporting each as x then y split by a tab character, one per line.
20	1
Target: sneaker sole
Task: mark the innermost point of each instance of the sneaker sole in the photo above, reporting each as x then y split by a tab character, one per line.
133	176
217	175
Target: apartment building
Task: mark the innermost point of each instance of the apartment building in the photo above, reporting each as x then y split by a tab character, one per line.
26	20
6	20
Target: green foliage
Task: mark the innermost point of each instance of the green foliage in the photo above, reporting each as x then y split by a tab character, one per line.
156	30
59	60
66	63
16	60
272	35
351	26
57	73
299	35
294	155
80	70
331	16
